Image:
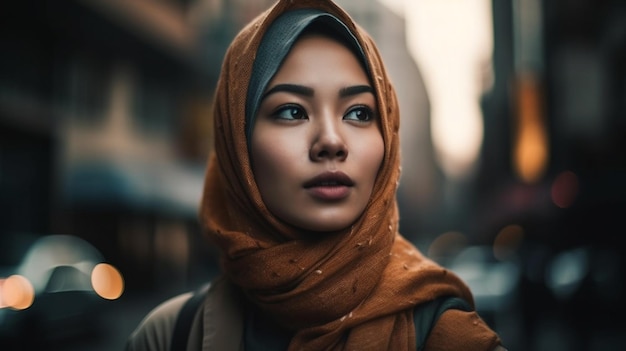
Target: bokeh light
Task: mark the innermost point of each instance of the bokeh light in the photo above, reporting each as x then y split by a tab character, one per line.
17	292
507	241
567	271
530	152
565	189
447	245
107	281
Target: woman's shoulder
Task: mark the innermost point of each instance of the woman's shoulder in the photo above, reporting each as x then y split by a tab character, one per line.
155	330
459	329
215	315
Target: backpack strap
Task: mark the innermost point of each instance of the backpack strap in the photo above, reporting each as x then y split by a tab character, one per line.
185	319
426	315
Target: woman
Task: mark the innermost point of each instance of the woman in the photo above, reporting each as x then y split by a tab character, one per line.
299	198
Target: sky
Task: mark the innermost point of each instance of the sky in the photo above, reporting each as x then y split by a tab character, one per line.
451	42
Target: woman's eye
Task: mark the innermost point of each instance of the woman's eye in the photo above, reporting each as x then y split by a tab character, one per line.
290	112
360	114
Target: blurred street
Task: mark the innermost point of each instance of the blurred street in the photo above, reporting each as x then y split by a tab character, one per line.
513	165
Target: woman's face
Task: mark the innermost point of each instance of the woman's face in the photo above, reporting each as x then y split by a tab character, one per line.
316	146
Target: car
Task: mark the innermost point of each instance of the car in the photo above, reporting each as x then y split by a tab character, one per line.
55	293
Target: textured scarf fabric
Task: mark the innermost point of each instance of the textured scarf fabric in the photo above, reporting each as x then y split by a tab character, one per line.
349	290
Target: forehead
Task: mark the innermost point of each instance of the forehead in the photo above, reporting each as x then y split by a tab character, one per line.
319	57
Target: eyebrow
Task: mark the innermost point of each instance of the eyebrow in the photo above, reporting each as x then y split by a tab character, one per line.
289	88
355	90
306	91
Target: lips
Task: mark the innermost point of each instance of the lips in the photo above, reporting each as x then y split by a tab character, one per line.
329	186
329	179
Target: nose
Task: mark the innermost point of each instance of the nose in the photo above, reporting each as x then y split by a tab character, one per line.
328	142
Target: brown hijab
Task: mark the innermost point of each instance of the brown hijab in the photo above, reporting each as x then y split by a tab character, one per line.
350	290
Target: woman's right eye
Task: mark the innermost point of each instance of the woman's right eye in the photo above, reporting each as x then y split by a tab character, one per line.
290	112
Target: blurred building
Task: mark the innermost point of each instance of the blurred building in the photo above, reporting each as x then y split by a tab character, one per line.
105	126
552	168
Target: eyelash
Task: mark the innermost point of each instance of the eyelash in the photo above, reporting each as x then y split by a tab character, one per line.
278	114
297	109
370	114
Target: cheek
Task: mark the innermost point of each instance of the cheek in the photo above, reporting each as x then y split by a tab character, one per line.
272	158
371	152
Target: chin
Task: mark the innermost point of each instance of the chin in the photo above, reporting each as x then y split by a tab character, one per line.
320	222
327	227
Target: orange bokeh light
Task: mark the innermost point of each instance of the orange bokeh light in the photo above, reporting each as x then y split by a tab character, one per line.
17	292
507	241
107	281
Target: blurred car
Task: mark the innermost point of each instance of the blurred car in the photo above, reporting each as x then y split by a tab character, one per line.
55	292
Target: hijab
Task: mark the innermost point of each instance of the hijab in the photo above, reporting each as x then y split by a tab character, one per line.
354	289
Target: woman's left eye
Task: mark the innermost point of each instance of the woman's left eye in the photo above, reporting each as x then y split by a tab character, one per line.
360	114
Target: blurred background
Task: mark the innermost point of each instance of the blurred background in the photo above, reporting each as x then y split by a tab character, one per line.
514	163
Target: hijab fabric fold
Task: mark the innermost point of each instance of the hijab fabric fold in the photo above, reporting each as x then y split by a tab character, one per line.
349	290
